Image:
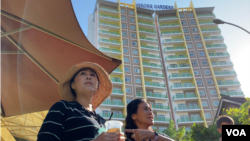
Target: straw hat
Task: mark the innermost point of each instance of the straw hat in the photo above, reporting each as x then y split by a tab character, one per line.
105	85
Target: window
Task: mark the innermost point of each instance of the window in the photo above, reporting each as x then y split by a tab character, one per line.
132	27
132	20
190	15
123	18
197	37
209	81
191	54
185	30
196	72
128	101
202	53
207	71
137	80
189	45
123	10
126	69
161	129
194	63
187	37
199	45
131	12
123	25
195	29
128	90
136	61
134	43
216	103
125	42
124	33
183	22
212	92
126	59
137	70
207	115
127	79
198	82
204	103
135	51
204	62
125	50
181	15
192	21
187	129
201	92
133	35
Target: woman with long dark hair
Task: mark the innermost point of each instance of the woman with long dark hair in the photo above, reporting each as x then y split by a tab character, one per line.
139	121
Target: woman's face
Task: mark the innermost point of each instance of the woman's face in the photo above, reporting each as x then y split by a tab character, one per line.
85	82
144	114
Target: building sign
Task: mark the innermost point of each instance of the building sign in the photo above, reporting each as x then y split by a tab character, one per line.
154	7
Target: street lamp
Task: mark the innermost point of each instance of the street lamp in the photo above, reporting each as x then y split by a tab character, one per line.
218	21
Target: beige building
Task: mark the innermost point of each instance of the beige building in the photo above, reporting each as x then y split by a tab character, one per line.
175	59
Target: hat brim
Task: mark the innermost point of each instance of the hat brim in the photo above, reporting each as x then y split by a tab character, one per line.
104	89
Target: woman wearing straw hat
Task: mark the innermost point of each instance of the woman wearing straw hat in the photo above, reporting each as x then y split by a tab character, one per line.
83	88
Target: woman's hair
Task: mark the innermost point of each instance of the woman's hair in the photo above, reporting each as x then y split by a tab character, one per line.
132	108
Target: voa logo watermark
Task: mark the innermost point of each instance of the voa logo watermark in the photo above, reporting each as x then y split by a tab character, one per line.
230	132
236	132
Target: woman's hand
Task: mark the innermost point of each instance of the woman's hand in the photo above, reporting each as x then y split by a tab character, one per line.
139	134
110	136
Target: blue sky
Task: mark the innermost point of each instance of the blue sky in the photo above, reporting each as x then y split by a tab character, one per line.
234	11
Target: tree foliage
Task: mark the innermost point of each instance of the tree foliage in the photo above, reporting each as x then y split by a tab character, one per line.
177	135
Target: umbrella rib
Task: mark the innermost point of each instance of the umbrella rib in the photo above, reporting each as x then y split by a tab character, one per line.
31	57
46	31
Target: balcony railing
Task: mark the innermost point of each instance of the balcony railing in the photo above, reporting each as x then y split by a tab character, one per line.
178	66
118	70
149	31
145	16
174	48
153	74
118	91
172	17
228	83
185	96
151	24
218	54
113	25
213	38
160	107
151	65
139	94
161	119
149	47
107	16
190	107
209	22
117	80
216	46
224	72
107	115
190	119
107	102
156	95
110	50
151	56
155	84
169	25
221	63
172	40
180	75
108	32
176	57
233	93
206	15
110	41
110	9
149	39
171	32
211	29
182	86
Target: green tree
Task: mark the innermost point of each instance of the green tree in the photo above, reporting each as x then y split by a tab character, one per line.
177	135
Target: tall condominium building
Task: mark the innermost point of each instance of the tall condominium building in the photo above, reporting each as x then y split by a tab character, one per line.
175	59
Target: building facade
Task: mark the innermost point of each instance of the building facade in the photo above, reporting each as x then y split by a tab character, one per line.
175	59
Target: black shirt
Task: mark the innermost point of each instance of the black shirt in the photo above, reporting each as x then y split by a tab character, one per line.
70	121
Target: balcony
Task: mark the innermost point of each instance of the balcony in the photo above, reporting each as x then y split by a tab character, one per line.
227	74
109	26
169	19
175	49
206	16
190	120
117	81
160	108
225	84
117	71
111	43
177	58
151	65
116	104
222	64
171	33
161	120
173	41
146	25
145	17
213	38
117	92
183	76
187	97
216	47
183	87
179	67
108	34
219	55
207	24
109	11
139	94
114	117
187	108
148	40
156	96
155	85
234	94
110	51
211	30
170	26
147	32
150	56
153	75
108	18
150	48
